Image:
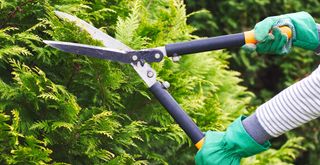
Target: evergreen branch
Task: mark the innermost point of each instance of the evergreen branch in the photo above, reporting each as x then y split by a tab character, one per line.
13	13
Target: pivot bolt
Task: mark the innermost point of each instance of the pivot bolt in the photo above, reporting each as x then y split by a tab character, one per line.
150	74
157	55
134	58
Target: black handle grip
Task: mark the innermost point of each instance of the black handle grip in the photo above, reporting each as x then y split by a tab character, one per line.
213	43
181	117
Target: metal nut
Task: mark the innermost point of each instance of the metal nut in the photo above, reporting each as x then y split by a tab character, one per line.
150	74
157	55
134	58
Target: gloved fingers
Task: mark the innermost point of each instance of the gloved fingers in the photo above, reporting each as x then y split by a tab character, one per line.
249	48
276	31
269	37
264	47
281	45
279	42
277	38
262	29
275	43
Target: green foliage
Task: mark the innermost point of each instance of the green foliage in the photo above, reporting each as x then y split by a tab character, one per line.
18	148
60	108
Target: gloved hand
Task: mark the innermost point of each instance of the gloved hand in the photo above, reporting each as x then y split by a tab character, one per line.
227	148
274	43
304	34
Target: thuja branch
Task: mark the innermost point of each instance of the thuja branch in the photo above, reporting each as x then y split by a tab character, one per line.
18	9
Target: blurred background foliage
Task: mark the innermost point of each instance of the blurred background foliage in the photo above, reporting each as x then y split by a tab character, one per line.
60	108
264	75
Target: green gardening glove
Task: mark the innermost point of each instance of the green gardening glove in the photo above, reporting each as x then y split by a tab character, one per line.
275	43
304	34
227	148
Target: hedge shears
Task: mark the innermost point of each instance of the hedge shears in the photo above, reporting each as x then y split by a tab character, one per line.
114	50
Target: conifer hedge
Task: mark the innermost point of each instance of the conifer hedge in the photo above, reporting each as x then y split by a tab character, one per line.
61	108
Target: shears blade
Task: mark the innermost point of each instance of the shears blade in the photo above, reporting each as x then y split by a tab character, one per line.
95	33
91	51
111	42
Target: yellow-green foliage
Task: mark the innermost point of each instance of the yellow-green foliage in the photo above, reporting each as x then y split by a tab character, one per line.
60	108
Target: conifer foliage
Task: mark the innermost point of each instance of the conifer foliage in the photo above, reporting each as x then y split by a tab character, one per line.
60	108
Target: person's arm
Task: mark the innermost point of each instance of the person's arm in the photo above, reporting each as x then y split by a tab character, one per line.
294	106
289	109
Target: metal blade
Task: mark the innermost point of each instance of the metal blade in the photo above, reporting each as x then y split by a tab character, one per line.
92	51
110	42
94	32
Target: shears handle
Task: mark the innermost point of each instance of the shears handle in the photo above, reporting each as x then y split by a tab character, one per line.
182	48
215	43
178	114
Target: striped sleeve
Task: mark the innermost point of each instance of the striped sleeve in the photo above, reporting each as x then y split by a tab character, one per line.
293	107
